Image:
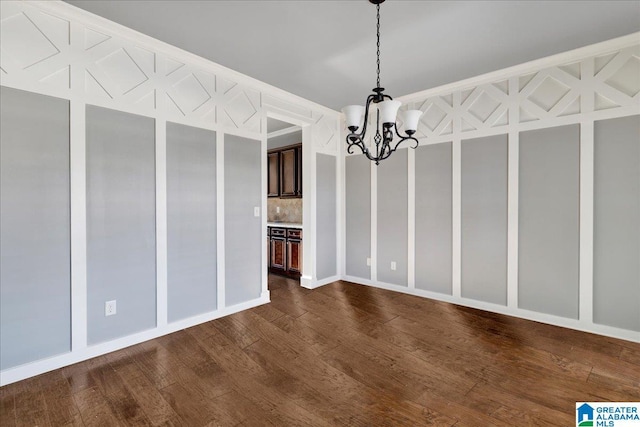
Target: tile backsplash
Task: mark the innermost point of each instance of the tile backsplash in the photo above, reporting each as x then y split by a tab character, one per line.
290	210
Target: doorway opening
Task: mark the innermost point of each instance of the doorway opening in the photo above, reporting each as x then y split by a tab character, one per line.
284	199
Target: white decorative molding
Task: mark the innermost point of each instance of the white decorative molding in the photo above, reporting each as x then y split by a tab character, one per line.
549	92
47	44
325	134
285	131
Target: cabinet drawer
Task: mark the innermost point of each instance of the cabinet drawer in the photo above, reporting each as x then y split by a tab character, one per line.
294	233
278	232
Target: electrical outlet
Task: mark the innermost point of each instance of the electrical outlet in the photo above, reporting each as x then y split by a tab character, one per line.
256	211
393	265
110	308
277	209
368	262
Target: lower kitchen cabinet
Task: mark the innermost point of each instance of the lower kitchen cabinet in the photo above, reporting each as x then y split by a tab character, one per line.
285	251
294	251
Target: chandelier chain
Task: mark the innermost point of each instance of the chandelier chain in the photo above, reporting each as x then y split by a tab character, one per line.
378	44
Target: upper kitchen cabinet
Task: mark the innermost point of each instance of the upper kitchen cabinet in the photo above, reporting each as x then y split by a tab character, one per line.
285	171
273	179
288	168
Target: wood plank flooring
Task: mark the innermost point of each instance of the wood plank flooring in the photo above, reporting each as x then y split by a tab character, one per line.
340	355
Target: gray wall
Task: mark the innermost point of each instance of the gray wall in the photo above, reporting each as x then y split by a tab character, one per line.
433	218
191	221
121	226
326	218
548	236
284	140
616	270
243	231
358	216
392	218
484	219
35	246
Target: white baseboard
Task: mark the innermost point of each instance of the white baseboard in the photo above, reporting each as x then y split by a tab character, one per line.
578	325
306	282
310	284
45	365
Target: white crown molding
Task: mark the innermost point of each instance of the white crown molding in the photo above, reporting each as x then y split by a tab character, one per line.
528	67
59	7
285	131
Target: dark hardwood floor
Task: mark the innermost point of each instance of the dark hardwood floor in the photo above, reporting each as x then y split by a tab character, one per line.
343	354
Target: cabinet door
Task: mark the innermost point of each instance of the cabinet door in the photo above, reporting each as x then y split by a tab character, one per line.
294	256
299	171
278	254
273	182
288	173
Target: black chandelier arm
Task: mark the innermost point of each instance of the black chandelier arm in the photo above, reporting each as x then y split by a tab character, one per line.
358	142
370	99
366	116
386	152
354	139
406	137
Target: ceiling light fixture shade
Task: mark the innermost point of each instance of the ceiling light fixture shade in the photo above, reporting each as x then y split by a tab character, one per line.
386	111
411	119
353	115
389	111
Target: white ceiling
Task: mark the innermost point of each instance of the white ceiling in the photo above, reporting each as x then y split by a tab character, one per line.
325	50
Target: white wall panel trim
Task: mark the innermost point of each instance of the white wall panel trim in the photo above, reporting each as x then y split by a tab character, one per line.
456	223
586	222
513	164
78	173
162	301
220	250
411	218
587	163
374	223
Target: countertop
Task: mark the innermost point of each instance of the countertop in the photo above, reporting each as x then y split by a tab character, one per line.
284	225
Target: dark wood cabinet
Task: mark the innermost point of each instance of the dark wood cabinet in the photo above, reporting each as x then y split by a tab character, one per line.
278	254
285	172
285	251
299	171
278	250
288	178
273	174
294	251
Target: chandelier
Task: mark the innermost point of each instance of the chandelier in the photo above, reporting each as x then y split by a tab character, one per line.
386	110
